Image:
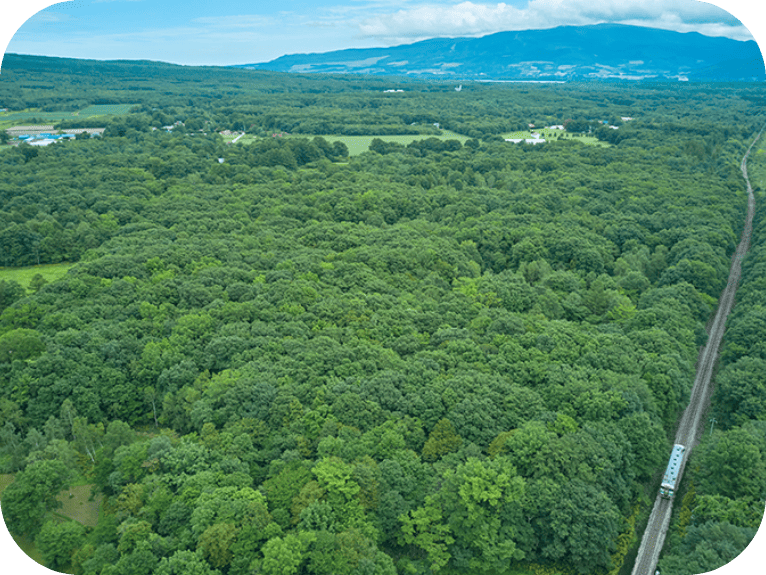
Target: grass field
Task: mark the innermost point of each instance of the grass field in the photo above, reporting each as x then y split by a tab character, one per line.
78	507
359	144
10	119
51	272
106	109
556	135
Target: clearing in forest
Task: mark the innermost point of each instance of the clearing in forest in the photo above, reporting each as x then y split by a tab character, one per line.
22	276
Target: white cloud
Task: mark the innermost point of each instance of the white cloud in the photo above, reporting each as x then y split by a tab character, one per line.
476	19
241	21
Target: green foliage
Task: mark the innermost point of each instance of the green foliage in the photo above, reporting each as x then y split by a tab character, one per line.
442	440
20	344
57	542
32	494
457	352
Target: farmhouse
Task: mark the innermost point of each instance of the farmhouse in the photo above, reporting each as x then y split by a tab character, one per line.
526	140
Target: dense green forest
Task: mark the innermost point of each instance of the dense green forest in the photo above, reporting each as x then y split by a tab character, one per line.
432	358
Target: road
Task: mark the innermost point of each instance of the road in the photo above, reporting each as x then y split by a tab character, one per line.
689	429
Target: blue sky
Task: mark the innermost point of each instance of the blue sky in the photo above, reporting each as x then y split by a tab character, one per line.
225	32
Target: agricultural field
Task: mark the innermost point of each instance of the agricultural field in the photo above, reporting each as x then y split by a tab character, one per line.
104	110
9	119
22	276
359	144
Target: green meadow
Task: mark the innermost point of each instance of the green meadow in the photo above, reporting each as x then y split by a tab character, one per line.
16	117
556	135
51	272
359	144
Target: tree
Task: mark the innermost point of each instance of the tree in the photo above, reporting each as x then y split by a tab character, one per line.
229	506
732	463
706	548
741	391
20	344
32	494
37	282
584	524
425	528
10	291
284	555
215	543
443	439
58	541
482	504
184	562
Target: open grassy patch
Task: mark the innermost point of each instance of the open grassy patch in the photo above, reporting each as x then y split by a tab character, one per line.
76	504
13	118
105	109
359	144
51	272
556	136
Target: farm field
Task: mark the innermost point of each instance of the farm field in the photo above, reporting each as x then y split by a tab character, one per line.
105	109
9	119
51	272
359	144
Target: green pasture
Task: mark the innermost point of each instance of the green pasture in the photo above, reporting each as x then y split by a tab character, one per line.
22	276
105	109
359	144
10	119
556	136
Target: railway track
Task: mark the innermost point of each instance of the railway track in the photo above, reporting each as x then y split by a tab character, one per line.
689	429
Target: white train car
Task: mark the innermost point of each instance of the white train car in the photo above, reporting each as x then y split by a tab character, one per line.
670	479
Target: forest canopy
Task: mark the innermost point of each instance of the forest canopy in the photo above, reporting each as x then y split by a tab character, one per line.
434	357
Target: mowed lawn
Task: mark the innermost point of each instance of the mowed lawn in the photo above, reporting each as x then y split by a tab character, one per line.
51	272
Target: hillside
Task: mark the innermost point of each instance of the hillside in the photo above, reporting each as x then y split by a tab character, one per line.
602	51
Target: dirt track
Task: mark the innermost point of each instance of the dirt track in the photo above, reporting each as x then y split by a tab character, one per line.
690	429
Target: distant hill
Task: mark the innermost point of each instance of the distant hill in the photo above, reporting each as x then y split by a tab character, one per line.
601	51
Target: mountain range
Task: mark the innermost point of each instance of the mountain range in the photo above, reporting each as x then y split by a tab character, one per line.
566	53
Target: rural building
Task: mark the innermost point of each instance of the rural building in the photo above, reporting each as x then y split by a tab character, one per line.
526	140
